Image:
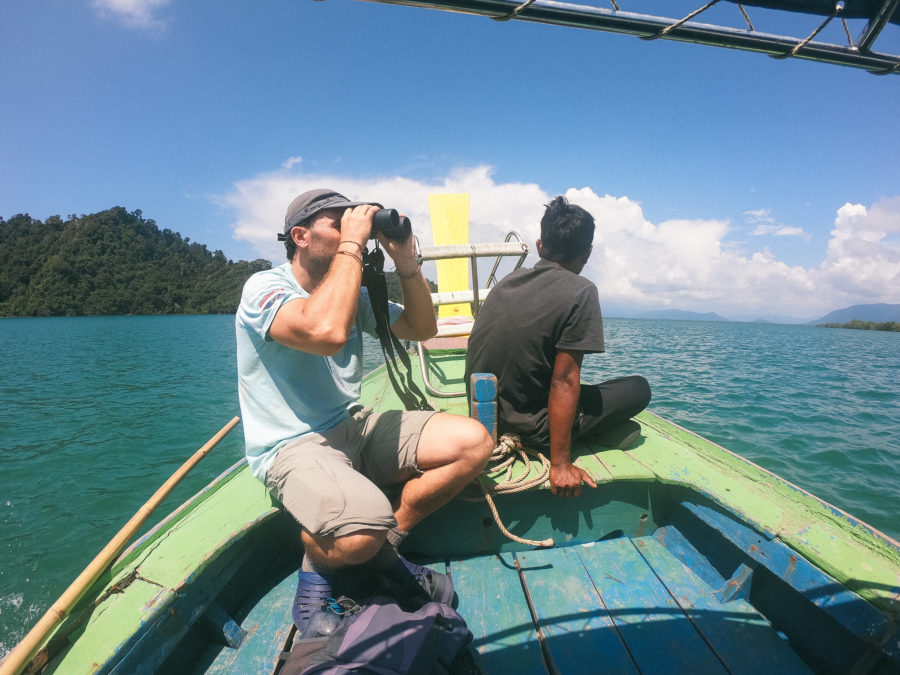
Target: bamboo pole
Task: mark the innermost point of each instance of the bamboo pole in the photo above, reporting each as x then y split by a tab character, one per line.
24	651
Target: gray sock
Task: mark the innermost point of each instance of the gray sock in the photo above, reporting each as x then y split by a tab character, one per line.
395	536
309	566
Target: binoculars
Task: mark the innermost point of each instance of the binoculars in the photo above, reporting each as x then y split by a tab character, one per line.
391	224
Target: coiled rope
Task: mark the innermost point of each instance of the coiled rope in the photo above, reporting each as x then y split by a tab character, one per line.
506	455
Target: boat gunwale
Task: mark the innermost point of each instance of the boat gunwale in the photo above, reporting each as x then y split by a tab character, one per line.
180	511
853	520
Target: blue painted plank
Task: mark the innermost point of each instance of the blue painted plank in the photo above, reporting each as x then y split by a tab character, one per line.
493	604
483	404
486	413
578	632
743	640
218	621
659	636
678	545
267	624
819	588
738	585
483	386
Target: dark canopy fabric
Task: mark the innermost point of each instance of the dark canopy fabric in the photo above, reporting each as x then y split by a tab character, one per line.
853	9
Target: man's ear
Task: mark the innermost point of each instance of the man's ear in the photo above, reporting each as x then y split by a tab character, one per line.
300	235
539	246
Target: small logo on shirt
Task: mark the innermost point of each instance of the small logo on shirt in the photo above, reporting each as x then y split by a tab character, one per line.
272	298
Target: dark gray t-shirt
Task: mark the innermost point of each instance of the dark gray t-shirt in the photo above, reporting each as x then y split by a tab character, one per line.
526	318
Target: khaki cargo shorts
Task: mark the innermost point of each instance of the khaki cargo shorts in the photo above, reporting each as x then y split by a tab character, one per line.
330	482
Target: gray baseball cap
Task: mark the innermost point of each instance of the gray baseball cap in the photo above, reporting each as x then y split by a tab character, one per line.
311	202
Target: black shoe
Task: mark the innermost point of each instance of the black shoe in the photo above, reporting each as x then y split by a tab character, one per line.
437	586
416	585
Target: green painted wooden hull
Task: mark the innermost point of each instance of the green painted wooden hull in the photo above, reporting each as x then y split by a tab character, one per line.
685	558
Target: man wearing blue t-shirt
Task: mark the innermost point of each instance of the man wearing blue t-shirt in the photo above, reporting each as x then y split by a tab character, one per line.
325	457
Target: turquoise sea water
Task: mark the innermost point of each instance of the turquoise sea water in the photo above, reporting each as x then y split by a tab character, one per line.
96	413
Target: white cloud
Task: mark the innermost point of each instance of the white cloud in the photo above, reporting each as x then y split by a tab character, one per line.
760	216
780	231
133	13
790	232
864	250
767	225
684	264
260	202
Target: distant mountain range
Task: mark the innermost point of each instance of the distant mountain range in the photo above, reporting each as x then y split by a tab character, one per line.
880	312
681	315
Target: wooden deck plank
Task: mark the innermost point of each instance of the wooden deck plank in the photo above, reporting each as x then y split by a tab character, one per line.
493	604
743	639
586	459
816	586
658	634
617	464
578	632
268	625
674	541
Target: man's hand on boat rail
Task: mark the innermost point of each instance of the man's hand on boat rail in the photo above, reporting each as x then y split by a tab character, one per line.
566	479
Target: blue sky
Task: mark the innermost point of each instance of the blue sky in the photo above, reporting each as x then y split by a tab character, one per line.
721	181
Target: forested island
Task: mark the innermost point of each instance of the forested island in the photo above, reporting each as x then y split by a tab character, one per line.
867	325
112	262
116	262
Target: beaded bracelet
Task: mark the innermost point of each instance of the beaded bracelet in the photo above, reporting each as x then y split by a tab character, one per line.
352	255
350	241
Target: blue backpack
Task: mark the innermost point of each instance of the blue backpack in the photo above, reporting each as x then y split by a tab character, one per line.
382	638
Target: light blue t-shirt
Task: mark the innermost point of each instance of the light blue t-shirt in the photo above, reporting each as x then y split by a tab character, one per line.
286	393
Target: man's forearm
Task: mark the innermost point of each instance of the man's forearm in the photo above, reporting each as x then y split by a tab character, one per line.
417	321
566	479
562	403
561	408
321	323
336	299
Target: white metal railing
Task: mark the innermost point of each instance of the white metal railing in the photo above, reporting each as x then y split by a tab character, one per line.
512	246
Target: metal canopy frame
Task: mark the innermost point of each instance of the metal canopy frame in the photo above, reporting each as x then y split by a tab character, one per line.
857	53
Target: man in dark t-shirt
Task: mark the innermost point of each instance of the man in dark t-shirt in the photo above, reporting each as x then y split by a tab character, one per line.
533	331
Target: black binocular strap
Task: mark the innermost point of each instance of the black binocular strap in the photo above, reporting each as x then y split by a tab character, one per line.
374	281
